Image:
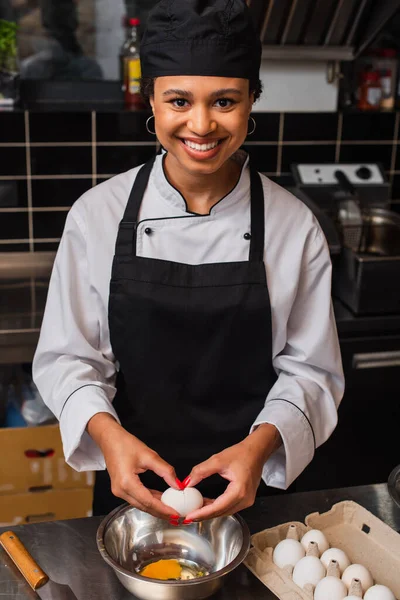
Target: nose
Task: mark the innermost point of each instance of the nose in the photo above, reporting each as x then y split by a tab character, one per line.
201	122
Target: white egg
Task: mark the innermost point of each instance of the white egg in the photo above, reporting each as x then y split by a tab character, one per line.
335	554
315	535
183	501
353	597
287	553
358	572
379	592
330	588
308	570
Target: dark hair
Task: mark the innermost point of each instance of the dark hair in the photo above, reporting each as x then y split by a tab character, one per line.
147	88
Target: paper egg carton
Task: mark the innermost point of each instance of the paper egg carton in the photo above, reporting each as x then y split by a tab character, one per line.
348	526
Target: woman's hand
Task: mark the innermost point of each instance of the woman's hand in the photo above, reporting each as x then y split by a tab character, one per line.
242	466
126	457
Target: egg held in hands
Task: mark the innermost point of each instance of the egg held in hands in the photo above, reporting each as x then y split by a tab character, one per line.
183	501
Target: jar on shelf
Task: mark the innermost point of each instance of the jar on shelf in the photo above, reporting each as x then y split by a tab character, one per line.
370	91
386	65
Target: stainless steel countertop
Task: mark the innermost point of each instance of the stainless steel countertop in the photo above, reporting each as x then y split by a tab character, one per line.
67	550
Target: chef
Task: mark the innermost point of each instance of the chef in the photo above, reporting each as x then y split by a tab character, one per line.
188	332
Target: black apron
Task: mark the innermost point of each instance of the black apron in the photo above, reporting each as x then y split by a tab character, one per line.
194	345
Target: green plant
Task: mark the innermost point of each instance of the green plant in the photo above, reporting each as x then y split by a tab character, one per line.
8	45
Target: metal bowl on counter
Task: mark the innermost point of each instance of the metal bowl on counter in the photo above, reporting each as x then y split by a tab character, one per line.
129	540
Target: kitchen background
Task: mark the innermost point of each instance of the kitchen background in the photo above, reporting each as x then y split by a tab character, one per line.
48	159
330	75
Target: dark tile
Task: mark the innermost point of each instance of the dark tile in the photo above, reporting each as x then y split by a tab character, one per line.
267	127
12	127
367	153
263	158
48	224
61	161
60	127
285	179
314	153
14	248
13	194
58	192
396	188
310	126
395	206
123	127
101	179
14	226
116	159
12	161
45	247
368	126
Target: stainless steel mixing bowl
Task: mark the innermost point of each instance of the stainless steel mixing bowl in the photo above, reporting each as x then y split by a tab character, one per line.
129	539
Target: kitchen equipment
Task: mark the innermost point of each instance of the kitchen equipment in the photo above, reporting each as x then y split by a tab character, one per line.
394	485
319	29
33	574
129	539
349	212
355	198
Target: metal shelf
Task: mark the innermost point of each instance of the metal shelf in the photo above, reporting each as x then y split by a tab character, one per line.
317	53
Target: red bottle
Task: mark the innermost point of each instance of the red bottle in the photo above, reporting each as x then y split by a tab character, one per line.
370	91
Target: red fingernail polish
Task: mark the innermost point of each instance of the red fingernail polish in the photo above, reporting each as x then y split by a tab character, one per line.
187	522
180	484
174	517
174	523
186	482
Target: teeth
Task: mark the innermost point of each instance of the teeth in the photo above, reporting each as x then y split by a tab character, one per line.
201	147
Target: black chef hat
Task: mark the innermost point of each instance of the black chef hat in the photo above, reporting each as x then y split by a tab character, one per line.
201	37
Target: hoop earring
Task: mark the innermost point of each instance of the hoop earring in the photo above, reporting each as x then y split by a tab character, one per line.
254	126
147	125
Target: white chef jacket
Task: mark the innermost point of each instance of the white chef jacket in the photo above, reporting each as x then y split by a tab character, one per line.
74	367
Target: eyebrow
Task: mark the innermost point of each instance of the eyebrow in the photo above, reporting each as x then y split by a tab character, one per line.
186	94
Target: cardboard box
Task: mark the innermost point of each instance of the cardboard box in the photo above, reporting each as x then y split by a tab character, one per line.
52	505
348	526
32	458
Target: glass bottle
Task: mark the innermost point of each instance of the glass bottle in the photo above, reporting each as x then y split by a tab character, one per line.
131	72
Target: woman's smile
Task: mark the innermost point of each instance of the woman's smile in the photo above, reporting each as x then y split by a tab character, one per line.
201	149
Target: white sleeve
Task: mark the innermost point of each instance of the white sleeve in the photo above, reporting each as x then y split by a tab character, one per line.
303	402
73	375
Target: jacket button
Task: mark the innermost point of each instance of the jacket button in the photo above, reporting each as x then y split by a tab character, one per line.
247	236
148	231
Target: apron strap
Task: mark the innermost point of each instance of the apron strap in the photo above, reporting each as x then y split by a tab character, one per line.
257	217
126	238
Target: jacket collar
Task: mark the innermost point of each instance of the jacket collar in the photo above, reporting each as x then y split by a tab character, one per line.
173	197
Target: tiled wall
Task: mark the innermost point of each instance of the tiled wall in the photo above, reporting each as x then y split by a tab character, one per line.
48	159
